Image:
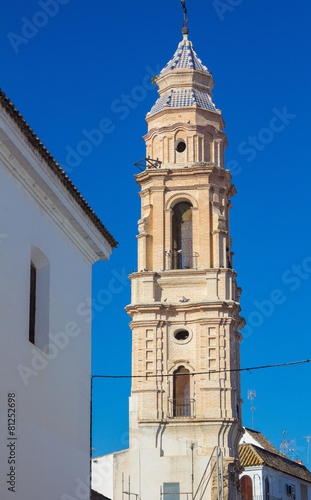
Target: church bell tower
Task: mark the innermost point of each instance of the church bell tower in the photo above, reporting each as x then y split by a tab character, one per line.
185	404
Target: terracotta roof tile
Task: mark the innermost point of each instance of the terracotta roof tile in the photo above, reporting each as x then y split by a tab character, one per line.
54	166
251	455
248	456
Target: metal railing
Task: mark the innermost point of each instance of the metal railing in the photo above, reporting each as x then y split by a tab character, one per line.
181	408
180	260
176	495
262	497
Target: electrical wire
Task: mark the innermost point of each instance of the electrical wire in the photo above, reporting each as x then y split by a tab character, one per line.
225	370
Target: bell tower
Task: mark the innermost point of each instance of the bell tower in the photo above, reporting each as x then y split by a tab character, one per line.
185	400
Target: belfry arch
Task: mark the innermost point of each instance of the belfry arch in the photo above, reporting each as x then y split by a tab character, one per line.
182	235
181	392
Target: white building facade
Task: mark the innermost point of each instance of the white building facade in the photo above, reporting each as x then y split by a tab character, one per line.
49	239
269	475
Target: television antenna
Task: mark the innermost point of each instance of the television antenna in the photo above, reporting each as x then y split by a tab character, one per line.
292	449
308	440
284	444
252	395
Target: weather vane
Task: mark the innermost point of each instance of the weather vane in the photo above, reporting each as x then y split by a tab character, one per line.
183	3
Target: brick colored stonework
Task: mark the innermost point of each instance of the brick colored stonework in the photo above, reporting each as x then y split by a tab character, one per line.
175	292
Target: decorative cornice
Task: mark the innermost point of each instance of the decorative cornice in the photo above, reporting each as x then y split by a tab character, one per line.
176	421
160	307
191	128
198	168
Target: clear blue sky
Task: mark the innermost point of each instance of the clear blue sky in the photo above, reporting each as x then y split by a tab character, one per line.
70	74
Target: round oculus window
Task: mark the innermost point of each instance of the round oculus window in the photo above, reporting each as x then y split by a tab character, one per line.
181	335
181	146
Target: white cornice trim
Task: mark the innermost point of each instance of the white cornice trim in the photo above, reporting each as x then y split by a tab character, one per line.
25	164
48	206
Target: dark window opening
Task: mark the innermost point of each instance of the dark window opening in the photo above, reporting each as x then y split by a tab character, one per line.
267	489
32	303
182	236
181	335
181	383
181	147
229	258
304	491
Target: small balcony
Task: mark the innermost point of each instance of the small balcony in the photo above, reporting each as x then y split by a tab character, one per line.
181	408
180	260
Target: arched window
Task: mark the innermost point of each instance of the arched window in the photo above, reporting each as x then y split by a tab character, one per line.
182	236
181	381
246	488
267	489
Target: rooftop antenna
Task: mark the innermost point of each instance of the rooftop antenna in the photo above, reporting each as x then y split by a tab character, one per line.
252	395
185	29
308	440
292	449
284	444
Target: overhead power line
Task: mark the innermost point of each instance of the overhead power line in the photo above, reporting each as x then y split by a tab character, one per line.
227	370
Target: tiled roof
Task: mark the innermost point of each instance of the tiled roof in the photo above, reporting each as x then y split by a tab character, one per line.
54	166
251	455
262	441
185	57
97	496
181	98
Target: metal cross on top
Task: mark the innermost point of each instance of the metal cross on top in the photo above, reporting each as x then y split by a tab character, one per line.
183	3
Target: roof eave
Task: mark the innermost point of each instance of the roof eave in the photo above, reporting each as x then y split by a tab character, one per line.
35	145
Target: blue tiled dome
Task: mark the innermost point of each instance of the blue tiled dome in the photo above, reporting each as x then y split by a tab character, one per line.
178	95
181	98
185	57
